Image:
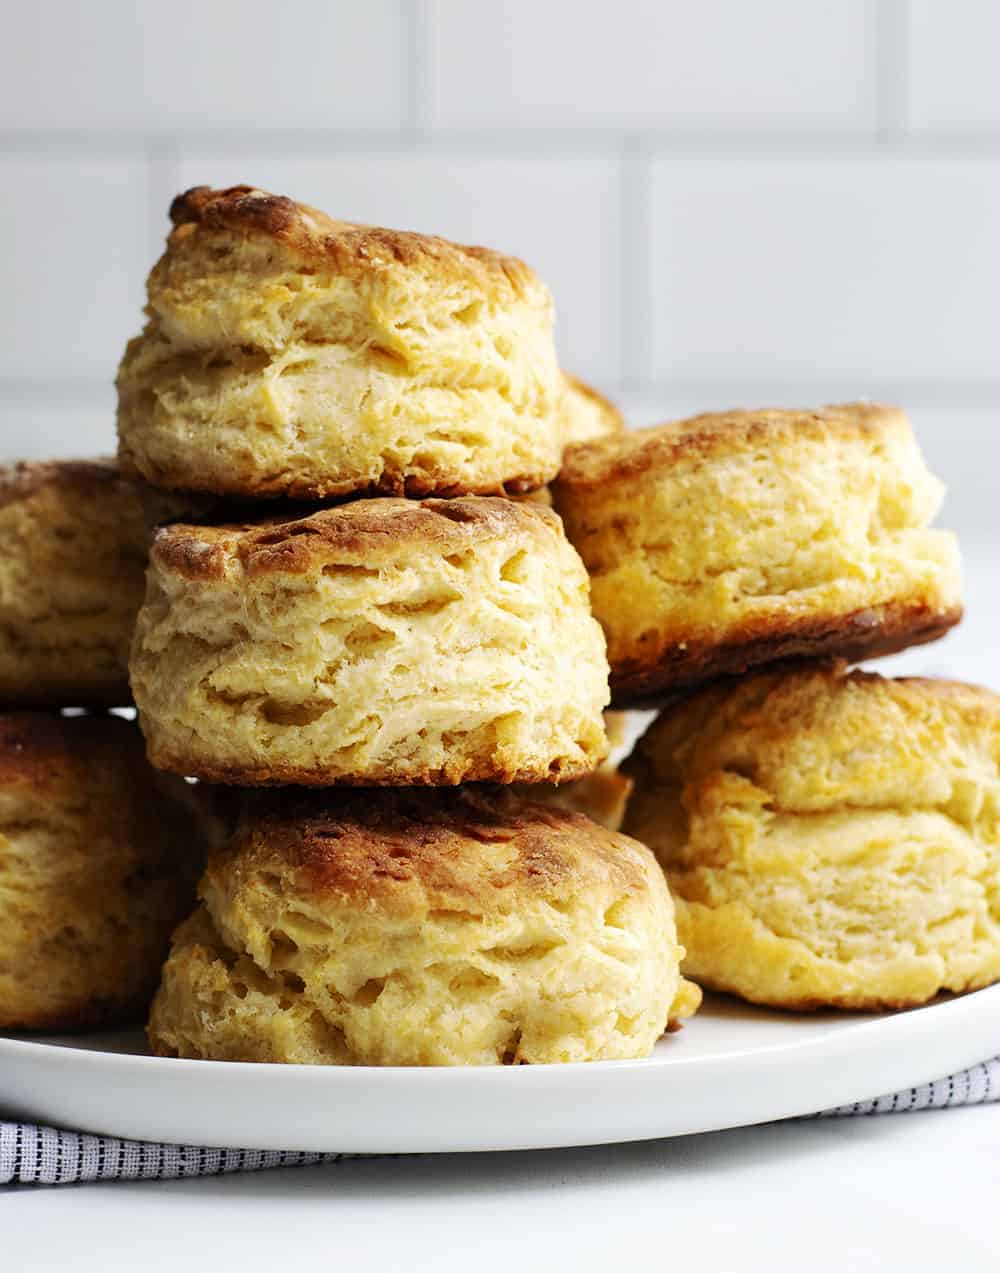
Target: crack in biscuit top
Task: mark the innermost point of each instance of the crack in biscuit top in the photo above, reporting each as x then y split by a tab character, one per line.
376	531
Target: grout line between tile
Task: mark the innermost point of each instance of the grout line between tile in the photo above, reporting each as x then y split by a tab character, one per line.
415	68
502	143
891	64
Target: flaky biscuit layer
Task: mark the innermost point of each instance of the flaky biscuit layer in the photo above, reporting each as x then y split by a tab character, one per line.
385	642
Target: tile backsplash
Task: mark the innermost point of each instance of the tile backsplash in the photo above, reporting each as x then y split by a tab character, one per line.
733	203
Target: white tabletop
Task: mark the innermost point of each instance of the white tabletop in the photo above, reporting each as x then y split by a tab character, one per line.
911	1192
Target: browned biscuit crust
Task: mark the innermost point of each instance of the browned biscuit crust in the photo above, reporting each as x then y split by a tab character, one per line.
704	437
867	634
388	847
363	532
286	775
310	233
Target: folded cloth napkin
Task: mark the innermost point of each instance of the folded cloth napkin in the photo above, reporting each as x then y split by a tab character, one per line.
47	1156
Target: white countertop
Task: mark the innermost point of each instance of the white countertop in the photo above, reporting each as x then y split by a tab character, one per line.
910	1192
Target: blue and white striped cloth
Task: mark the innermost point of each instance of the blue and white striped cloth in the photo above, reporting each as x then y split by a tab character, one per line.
48	1156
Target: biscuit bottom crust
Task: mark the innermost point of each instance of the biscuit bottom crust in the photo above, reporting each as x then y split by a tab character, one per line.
873	632
447	930
829	840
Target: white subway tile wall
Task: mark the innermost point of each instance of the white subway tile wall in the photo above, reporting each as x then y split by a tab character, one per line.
733	203
951	81
867	269
137	67
773	65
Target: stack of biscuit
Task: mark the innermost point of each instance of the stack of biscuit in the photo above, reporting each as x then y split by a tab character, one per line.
831	838
380	638
372	568
99	853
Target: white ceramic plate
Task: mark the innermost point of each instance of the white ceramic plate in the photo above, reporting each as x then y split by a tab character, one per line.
732	1065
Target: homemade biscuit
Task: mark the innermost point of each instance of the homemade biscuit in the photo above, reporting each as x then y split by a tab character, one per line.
286	353
727	541
75	538
381	642
830	838
99	855
602	795
422	928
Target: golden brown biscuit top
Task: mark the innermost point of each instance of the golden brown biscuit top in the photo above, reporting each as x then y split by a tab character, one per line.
96	483
310	234
363	532
633	453
44	749
818	735
25	477
476	845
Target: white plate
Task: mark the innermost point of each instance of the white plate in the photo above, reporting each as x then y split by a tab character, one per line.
732	1065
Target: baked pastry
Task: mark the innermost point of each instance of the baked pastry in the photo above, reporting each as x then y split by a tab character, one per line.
421	928
99	856
75	537
380	642
829	837
601	795
588	414
728	541
286	353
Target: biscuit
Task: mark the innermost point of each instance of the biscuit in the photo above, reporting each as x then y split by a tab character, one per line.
830	838
99	856
728	541
587	414
421	928
602	795
289	354
380	642
75	537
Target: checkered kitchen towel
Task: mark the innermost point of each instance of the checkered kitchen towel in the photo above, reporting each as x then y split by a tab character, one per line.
46	1156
